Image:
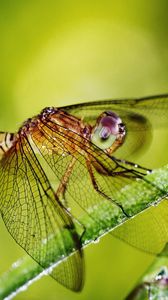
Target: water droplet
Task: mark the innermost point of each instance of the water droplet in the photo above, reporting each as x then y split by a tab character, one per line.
96	241
16	264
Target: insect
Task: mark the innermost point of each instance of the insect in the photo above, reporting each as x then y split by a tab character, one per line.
153	286
75	146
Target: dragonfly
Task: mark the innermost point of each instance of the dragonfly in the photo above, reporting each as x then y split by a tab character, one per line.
84	147
154	285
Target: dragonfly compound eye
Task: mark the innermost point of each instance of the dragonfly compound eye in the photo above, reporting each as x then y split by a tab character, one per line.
105	132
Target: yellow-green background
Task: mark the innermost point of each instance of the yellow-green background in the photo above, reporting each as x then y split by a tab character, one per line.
60	52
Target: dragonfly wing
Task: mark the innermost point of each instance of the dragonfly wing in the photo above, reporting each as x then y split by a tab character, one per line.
139	115
153	108
35	218
147	231
110	177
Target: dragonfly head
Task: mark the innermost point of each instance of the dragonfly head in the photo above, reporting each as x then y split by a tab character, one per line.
109	131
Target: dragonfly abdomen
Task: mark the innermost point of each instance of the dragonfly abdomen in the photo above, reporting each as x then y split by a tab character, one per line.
6	141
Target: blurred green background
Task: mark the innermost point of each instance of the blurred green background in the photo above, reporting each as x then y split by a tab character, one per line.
55	53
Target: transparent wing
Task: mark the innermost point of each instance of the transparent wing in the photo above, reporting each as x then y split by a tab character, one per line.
153	108
95	178
139	115
35	218
147	231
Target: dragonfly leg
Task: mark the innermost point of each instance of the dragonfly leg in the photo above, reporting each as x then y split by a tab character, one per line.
123	161
64	182
95	185
61	193
77	222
